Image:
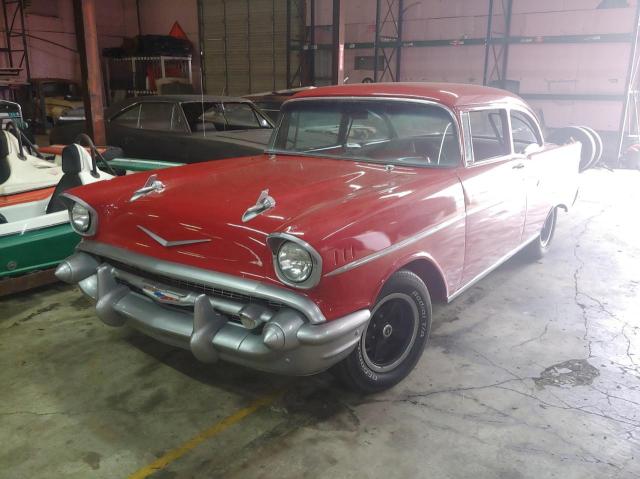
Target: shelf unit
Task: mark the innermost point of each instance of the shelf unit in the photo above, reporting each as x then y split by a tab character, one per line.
137	75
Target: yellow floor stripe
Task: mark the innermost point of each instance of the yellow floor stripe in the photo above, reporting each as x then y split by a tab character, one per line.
195	441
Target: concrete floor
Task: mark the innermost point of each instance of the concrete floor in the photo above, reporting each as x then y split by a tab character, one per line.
535	372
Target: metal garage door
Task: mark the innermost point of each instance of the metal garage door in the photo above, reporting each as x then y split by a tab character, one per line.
244	44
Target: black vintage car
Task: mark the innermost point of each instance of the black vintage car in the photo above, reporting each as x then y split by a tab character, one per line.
181	128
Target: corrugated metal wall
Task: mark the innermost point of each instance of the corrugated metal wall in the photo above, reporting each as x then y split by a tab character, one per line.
569	81
245	45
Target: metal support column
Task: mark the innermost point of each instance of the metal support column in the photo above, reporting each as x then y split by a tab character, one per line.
388	40
337	43
300	43
85	15
630	119
497	41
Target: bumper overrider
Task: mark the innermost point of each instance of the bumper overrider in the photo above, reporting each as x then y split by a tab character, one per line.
215	315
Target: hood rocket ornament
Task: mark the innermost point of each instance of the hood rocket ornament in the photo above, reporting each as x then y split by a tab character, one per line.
264	203
152	184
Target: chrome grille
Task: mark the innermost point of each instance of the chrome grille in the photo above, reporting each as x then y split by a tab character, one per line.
193	286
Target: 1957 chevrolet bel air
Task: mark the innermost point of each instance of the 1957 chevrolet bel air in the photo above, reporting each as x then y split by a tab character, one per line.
327	250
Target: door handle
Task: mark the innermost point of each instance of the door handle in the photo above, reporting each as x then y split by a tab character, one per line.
518	166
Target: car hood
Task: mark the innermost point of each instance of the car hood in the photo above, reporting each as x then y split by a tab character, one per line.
202	204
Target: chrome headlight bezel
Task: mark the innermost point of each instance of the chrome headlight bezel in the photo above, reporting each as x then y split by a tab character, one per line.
276	241
72	202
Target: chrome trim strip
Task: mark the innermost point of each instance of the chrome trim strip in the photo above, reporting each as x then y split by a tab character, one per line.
395	247
490	269
275	240
209	278
93	227
169	244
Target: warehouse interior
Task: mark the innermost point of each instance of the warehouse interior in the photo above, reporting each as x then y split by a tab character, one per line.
531	363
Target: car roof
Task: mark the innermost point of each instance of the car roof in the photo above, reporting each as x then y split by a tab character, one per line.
185	98
452	95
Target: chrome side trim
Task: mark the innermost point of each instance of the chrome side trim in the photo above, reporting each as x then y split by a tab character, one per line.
275	240
490	269
209	278
395	247
93	227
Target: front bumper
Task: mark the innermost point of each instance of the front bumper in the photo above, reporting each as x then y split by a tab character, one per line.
215	316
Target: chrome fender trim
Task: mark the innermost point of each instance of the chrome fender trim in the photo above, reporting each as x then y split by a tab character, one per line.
354	322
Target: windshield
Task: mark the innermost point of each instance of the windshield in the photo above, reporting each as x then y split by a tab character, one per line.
391	132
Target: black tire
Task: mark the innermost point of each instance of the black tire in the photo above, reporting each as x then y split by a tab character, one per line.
599	145
539	247
381	360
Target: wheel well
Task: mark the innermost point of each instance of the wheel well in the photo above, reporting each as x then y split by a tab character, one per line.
431	277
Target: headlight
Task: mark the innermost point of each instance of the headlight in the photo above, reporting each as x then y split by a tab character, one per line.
295	262
81	218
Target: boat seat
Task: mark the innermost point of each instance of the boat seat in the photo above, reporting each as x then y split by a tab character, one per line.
71	168
5	170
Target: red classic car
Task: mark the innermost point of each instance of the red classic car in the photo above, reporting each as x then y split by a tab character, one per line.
327	250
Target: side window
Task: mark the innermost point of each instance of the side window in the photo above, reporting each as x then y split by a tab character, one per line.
156	116
178	123
489	134
523	131
129	117
240	116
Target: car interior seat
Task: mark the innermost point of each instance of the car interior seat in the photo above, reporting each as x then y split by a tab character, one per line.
73	163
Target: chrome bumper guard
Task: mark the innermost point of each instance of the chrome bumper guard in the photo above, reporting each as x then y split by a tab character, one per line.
284	340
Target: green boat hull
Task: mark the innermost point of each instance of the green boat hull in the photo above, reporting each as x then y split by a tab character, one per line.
23	253
134	164
36	250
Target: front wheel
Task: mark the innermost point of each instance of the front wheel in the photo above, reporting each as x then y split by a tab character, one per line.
539	247
394	339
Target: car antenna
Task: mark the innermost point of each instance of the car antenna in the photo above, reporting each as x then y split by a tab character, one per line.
204	132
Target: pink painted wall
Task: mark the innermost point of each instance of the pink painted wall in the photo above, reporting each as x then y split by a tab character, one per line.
540	68
116	19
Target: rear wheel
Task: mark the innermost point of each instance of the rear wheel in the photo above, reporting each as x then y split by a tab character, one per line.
394	339
539	247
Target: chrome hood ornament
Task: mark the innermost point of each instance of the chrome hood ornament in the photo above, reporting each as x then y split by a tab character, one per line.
169	244
152	184
264	203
